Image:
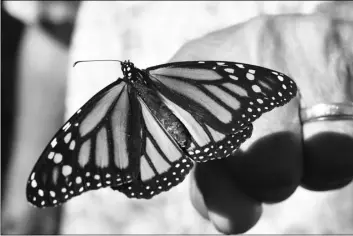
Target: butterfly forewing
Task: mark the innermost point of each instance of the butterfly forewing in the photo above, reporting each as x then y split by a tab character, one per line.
92	150
216	99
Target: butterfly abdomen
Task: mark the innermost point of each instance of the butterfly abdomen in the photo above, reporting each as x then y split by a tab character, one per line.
173	126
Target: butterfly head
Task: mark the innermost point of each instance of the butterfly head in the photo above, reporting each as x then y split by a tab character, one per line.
127	67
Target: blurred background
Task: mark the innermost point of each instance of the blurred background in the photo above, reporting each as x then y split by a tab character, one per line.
41	39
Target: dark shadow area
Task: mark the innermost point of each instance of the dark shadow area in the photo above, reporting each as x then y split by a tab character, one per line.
270	171
328	162
11	32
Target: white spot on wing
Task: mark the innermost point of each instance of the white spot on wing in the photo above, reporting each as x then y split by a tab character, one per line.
34	184
40	193
256	88
66	126
58	158
229	70
250	76
240	65
280	78
67	137
233	77
53	143
78	180
51	155
66	170
72	145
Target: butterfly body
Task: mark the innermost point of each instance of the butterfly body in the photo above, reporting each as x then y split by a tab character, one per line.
138	80
142	134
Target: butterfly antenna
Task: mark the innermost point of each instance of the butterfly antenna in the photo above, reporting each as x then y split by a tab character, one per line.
94	61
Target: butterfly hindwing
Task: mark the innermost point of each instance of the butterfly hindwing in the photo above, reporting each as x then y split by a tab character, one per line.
223	148
218	99
163	164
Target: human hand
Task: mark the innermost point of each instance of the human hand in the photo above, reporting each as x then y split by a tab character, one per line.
282	153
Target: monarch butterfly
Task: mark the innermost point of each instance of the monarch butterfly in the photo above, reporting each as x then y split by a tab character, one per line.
141	134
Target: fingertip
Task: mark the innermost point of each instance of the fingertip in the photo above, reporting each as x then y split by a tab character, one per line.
197	199
236	225
270	170
328	163
218	198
